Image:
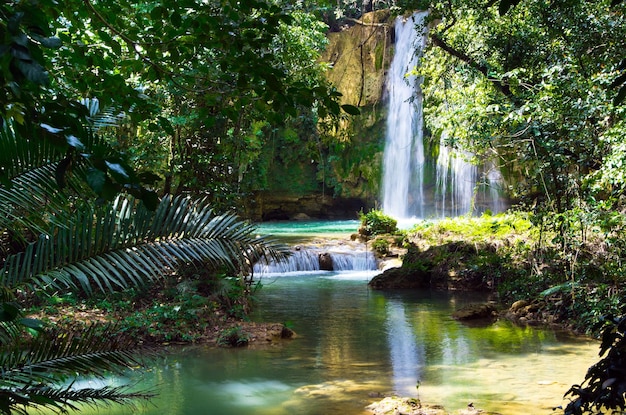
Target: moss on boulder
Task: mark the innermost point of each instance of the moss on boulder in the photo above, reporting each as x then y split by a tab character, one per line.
455	265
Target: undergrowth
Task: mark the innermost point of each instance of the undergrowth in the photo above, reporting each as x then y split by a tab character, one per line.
183	308
519	259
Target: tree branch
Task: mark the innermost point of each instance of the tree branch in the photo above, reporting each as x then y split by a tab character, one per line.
480	67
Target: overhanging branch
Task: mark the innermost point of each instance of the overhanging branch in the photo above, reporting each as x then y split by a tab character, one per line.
482	68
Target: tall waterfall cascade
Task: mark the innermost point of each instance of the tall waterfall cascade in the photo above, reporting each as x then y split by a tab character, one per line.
414	184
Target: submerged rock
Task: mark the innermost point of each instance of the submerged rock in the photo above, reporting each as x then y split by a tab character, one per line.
476	312
395	405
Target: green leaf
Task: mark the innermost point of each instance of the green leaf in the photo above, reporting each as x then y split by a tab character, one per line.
567	286
50	128
52	42
351	109
96	179
176	19
117	170
31	323
150	199
157	13
33	71
166	125
74	142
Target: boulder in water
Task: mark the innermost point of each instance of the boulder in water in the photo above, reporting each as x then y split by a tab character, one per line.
401	278
475	312
326	262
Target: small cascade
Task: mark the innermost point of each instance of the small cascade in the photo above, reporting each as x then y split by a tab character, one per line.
354	261
308	259
456	181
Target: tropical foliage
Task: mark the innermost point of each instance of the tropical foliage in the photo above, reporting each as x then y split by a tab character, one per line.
85	246
127	129
375	222
76	214
605	383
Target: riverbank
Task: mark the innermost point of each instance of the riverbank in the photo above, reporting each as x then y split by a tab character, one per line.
356	345
526	271
489	254
165	313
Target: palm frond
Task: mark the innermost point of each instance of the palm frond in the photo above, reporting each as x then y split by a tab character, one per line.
102	117
21	401
55	356
29	193
124	244
34	200
20	154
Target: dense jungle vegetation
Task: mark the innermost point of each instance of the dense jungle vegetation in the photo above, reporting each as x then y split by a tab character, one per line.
133	133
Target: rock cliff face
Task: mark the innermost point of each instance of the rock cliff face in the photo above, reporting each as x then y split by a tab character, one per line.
293	207
360	54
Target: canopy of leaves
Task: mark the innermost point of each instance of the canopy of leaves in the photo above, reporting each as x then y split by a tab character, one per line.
225	61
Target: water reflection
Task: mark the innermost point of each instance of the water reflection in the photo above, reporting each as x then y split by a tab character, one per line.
354	343
405	355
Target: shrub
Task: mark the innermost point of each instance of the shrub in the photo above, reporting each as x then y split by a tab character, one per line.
381	246
604	387
375	222
233	337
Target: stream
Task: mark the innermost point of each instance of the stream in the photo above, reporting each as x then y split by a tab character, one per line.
354	345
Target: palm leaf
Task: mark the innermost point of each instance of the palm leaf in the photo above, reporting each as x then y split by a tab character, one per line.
29	194
56	356
29	373
124	244
99	118
19	155
22	400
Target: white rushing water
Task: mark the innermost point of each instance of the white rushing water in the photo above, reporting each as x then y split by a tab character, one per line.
308	259
403	165
415	185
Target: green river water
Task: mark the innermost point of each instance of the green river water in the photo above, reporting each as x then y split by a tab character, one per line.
353	344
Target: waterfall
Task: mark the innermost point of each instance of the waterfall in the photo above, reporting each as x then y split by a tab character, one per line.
494	184
414	185
456	181
403	165
308	259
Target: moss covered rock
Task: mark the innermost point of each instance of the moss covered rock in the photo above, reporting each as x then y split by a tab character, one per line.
452	266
